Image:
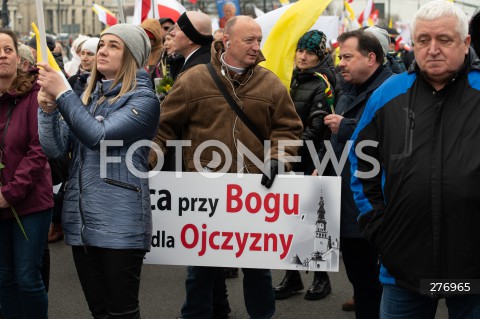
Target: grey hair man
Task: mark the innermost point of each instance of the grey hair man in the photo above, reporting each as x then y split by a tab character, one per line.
415	158
229	11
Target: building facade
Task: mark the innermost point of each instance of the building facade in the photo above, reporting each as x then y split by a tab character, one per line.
61	16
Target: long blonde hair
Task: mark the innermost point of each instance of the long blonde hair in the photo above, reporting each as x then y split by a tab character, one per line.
127	75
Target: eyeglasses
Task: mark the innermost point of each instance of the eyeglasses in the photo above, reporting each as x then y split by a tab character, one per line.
166	28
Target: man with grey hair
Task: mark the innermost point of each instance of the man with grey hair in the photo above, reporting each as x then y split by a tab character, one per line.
229	11
416	163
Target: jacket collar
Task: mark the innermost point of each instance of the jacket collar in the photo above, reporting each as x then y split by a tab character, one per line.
350	91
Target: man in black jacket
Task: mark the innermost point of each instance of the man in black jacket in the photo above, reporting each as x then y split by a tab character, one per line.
193	38
363	70
416	165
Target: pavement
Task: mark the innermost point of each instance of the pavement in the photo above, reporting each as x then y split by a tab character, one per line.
162	293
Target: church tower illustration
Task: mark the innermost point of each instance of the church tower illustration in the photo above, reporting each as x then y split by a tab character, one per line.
321	244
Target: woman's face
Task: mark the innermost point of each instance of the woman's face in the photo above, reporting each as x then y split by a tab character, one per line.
305	59
87	58
9	59
109	55
169	45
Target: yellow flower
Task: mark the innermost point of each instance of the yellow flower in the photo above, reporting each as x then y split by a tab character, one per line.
165	85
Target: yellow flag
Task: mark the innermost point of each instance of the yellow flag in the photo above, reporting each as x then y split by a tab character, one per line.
284	2
279	48
51	60
350	11
390	23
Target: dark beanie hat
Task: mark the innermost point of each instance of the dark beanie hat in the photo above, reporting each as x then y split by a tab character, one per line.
315	41
474	31
163	20
50	43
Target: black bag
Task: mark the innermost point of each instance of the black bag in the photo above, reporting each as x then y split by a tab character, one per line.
60	169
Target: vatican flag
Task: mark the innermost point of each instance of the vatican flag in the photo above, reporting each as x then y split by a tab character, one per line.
279	48
49	56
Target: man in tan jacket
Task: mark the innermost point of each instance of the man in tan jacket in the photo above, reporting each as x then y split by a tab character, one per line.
196	108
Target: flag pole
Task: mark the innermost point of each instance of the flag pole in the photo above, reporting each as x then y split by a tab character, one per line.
120	12
41	29
154	9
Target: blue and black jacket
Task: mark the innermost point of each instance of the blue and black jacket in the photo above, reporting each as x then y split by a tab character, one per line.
421	208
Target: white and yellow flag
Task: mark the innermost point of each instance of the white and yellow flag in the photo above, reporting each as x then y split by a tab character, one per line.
48	57
279	48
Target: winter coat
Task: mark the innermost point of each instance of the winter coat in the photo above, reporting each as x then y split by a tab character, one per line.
78	82
308	94
105	206
201	56
173	65
153	26
26	178
421	210
196	106
351	105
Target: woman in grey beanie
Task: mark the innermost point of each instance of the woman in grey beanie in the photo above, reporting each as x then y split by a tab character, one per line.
106	214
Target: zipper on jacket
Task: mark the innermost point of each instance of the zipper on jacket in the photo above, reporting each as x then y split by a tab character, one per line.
122	184
410	126
80	195
435	174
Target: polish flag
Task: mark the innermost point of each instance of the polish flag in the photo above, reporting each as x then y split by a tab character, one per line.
104	15
397	42
373	18
141	11
170	9
366	13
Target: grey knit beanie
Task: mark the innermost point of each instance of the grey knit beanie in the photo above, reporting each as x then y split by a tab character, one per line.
134	38
381	35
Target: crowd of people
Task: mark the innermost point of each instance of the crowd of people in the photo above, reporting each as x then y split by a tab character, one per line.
404	123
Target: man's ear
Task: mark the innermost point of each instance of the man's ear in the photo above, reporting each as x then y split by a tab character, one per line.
372	58
226	41
467	41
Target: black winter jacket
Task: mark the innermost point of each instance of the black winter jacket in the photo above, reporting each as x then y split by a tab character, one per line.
307	91
421	209
78	82
351	105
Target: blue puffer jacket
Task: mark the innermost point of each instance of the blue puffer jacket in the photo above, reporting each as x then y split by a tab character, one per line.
110	210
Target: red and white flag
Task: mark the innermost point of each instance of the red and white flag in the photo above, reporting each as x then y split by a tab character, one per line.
141	11
170	9
104	15
365	15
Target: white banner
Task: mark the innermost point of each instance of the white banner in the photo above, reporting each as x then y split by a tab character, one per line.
233	221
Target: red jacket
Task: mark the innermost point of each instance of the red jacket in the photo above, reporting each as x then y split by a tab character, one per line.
26	178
